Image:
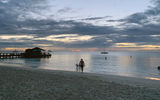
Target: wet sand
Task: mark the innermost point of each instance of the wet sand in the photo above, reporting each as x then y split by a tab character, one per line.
37	84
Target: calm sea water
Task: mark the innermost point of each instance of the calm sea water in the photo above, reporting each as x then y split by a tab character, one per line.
135	64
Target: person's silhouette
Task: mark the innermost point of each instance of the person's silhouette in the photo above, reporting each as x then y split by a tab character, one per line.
81	64
77	67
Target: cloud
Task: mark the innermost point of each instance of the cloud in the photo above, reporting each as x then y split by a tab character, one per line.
4	1
96	18
64	10
67	38
135	18
31	24
139	27
6	37
146	17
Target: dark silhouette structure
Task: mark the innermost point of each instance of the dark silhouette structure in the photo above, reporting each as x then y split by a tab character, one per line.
35	53
158	67
104	52
77	67
29	53
81	64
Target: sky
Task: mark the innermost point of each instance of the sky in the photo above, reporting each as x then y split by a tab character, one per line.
80	25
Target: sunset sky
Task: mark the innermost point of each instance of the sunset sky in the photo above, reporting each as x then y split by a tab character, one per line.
74	25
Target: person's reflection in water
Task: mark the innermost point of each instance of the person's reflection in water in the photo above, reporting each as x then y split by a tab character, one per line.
81	64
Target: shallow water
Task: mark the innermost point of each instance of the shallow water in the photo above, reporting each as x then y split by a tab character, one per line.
135	64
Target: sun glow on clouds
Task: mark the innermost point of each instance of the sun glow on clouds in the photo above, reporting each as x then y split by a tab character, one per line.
77	50
125	45
12	49
153	78
67	38
135	47
43	45
6	37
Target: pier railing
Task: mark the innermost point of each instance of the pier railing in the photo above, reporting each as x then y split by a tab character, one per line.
10	55
22	55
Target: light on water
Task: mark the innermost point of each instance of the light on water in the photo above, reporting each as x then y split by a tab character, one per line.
135	64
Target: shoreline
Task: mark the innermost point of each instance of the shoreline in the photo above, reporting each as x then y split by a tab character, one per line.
56	83
126	80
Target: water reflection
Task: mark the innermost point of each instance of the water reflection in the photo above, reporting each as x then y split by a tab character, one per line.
35	62
117	63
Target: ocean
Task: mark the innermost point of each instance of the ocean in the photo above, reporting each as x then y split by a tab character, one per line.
132	64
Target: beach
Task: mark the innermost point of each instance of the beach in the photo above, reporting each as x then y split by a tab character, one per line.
17	83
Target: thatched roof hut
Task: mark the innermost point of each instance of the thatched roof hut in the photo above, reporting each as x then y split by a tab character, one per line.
35	53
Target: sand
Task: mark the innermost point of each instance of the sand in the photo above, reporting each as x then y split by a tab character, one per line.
37	84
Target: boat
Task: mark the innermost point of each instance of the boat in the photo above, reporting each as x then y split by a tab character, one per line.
104	52
49	51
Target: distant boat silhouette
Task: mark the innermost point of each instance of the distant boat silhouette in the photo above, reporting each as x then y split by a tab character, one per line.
49	51
104	50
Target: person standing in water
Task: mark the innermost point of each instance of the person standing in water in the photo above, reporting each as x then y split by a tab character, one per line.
81	64
77	67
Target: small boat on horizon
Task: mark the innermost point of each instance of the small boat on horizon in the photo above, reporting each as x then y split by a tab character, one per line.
104	52
50	51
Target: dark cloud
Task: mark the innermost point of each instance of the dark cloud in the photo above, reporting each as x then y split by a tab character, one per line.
49	27
15	44
144	17
140	26
65	9
97	42
96	18
113	20
135	18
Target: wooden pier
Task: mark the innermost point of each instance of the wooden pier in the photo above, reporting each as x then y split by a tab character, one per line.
28	53
10	55
21	55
